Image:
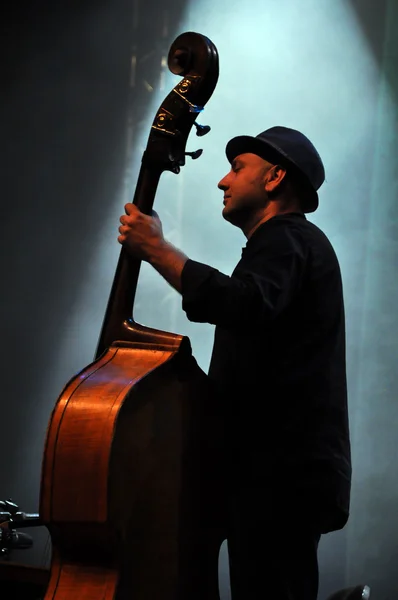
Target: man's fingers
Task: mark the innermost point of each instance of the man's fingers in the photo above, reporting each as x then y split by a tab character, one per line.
131	209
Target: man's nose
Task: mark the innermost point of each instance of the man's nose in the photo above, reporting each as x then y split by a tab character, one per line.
222	184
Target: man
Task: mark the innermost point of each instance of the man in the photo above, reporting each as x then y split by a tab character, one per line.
278	361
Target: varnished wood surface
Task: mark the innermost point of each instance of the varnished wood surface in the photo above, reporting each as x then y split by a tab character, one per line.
80	437
80	581
135	435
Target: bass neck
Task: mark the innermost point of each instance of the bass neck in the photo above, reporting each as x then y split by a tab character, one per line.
118	323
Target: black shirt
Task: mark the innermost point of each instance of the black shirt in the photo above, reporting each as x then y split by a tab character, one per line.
279	363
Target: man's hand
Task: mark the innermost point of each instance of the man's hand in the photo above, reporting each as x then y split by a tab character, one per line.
140	234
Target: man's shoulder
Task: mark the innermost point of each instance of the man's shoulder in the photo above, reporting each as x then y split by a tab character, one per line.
292	222
296	230
299	223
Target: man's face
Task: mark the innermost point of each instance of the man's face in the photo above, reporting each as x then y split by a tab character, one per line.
244	188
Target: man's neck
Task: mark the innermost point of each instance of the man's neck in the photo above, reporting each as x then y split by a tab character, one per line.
272	210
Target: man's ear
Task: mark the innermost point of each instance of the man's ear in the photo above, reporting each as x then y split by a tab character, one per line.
274	177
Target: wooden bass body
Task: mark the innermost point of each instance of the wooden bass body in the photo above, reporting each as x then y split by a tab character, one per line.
137	437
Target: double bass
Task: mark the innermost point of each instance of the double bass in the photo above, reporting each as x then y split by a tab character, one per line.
130	486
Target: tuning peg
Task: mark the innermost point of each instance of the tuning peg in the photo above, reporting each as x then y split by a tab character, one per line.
195	154
201	129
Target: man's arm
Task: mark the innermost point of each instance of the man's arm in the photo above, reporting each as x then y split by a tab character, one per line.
169	262
262	285
254	295
142	236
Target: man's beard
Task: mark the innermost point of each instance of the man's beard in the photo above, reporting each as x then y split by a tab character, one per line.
240	216
237	216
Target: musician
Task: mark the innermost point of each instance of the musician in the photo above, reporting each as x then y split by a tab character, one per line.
278	361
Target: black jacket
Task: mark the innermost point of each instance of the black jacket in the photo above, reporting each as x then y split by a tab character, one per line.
279	364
